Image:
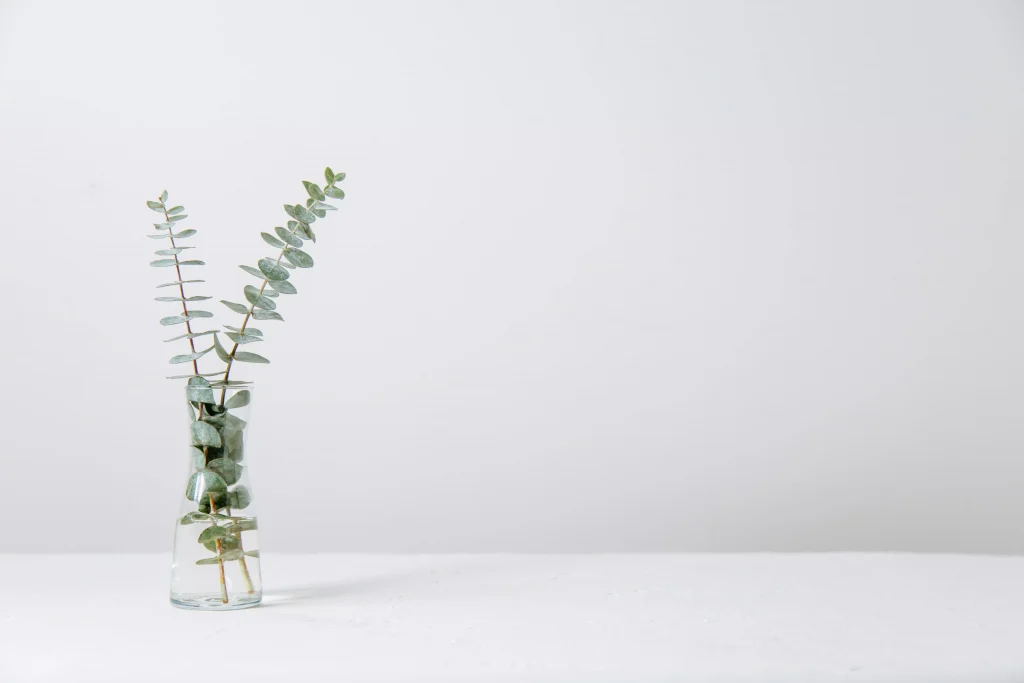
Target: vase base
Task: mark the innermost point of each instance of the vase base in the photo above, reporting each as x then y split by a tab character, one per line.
208	602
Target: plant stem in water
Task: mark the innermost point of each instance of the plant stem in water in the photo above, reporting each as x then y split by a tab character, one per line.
220	561
241	560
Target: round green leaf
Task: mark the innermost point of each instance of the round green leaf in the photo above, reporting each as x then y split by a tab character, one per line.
243	525
271	240
335	192
288	237
248	357
283	287
299	258
248	330
205	435
228	470
162	263
260	314
237	308
272	271
240	498
198	457
314	190
239	400
203	482
222	353
256	299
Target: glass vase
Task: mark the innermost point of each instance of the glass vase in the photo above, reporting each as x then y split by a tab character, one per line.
216	563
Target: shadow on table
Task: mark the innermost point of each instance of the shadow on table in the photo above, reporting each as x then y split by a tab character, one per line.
385	584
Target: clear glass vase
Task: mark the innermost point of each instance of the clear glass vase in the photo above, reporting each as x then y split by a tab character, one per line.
216	563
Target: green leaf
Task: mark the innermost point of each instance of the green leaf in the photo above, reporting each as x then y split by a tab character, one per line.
229	542
175	210
242	525
205	435
290	210
209	560
171	252
335	192
272	271
157	237
163	226
178	282
198	457
212	534
233	441
199	314
163	196
319	213
240	498
325	207
310	202
306	232
303	214
329	175
179	218
239	400
256	299
203	482
198	390
287	265
247	357
156	206
248	330
183	234
189	357
178	298
201	374
288	237
222	353
173	320
230	555
194	262
162	262
237	308
298	258
269	292
229	471
338	177
260	314
192	335
253	553
314	190
271	240
283	287
243	338
193	517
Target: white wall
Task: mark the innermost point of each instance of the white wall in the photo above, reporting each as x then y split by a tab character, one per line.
614	276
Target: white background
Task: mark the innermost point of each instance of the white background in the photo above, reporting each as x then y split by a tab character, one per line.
609	276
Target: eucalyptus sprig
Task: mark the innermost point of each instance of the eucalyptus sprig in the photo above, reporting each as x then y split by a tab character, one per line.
171	218
273	272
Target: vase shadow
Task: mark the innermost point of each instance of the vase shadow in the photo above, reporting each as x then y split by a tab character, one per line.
384	584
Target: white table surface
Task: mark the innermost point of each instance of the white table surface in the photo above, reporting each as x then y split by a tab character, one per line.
755	617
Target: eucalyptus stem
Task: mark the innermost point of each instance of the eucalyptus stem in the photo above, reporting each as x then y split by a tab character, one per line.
241	560
181	290
245	321
220	561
